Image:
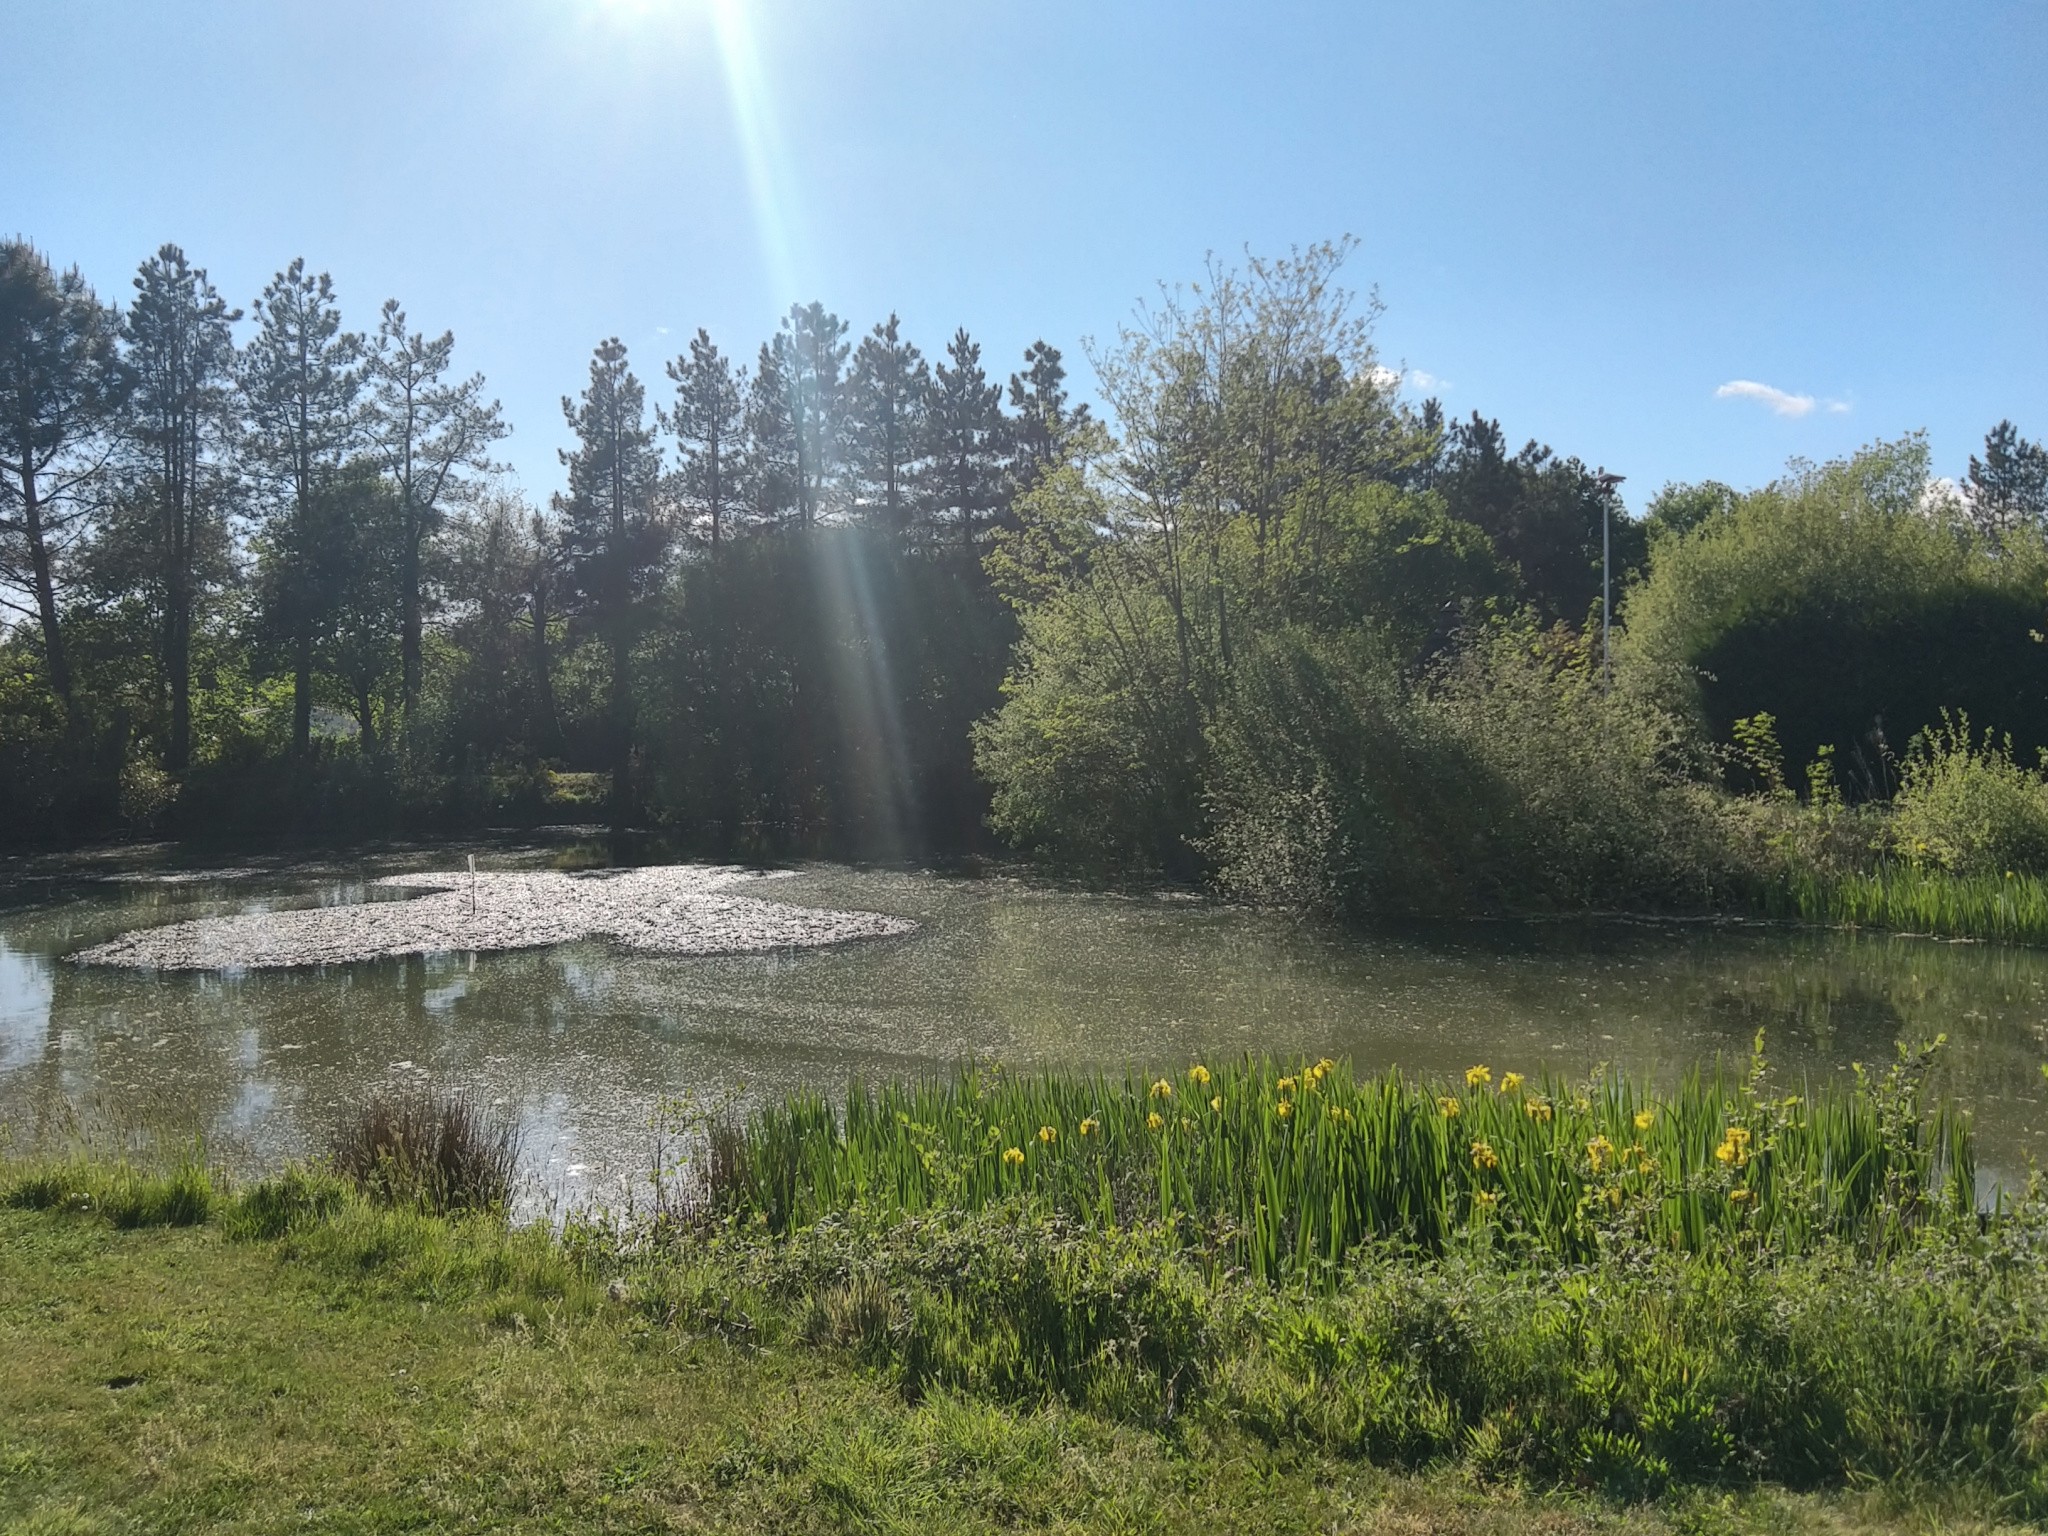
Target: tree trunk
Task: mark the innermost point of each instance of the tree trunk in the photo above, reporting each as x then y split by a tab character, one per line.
544	677
46	598
622	744
302	695
409	638
178	662
366	722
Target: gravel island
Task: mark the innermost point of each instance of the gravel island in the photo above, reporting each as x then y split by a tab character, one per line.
684	909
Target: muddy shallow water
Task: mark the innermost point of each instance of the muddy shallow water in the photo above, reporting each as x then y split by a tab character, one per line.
583	1040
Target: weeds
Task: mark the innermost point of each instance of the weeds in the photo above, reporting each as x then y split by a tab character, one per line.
438	1154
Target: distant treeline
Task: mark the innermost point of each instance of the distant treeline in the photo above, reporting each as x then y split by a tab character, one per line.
1270	622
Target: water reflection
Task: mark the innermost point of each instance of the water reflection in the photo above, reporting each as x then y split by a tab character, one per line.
583	1042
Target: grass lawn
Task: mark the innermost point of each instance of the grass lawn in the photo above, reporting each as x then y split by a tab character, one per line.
181	1379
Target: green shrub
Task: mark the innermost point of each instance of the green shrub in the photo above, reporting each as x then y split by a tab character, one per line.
1967	807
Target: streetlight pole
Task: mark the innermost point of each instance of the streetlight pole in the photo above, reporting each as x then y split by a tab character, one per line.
1606	484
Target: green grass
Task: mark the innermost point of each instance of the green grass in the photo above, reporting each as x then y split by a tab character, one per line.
304	1360
2011	908
1287	1171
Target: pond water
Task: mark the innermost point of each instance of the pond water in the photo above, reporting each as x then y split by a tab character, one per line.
583	1041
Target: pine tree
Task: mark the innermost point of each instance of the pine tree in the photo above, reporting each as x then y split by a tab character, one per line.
613	534
967	439
884	432
61	385
709	422
180	351
300	377
427	434
810	356
770	452
1043	424
2008	487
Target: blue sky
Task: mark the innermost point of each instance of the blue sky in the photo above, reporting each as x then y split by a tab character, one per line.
1584	218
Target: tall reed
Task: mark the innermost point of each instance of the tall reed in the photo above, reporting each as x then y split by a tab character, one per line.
1284	1169
2012	908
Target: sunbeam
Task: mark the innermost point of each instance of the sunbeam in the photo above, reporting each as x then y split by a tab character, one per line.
776	216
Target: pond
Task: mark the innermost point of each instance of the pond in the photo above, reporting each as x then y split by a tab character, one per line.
584	1041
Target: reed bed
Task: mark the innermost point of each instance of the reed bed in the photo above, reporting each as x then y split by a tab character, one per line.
440	1154
2010	908
1286	1168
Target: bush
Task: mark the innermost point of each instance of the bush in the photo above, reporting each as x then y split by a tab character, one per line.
1968	808
1841	602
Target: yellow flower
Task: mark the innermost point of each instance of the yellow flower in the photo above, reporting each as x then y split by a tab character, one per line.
1484	1156
1153	1122
1339	1113
1645	1118
1538	1109
1162	1089
1285	1085
1476	1076
1199	1074
1217	1103
1485	1199
1598	1150
1014	1156
1090	1126
1511	1082
1614	1196
1734	1148
1738	1195
1048	1135
1284	1109
1325	1067
1450	1109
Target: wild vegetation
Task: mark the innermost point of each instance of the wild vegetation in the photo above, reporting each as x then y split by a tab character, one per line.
1505	1297
1263	622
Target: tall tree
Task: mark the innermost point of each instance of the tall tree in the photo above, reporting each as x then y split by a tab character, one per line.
2008	487
181	354
427	432
614	534
709	422
1043	423
770	455
884	433
811	356
361	521
300	377
967	436
1542	512
61	384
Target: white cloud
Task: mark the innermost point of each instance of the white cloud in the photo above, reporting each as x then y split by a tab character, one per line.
1778	401
1407	378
